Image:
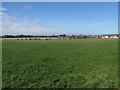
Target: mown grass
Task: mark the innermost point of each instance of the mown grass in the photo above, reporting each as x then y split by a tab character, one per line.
89	63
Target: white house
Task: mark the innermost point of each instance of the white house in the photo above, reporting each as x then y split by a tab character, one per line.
105	36
114	36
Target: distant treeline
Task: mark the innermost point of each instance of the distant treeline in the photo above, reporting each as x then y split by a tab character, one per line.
63	35
25	36
60	36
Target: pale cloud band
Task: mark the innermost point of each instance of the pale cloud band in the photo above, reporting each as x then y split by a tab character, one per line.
3	9
13	27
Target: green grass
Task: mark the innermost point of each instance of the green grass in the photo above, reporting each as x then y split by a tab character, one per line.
89	63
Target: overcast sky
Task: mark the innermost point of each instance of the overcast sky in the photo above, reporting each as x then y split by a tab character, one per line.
43	18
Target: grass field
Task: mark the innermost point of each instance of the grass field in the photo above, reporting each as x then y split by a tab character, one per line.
89	63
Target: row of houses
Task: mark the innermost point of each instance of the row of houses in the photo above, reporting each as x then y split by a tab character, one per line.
95	36
111	36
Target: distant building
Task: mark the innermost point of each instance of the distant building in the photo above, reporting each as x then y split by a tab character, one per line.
114	36
111	36
105	36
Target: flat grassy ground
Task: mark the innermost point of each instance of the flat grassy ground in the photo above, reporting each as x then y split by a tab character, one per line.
79	63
